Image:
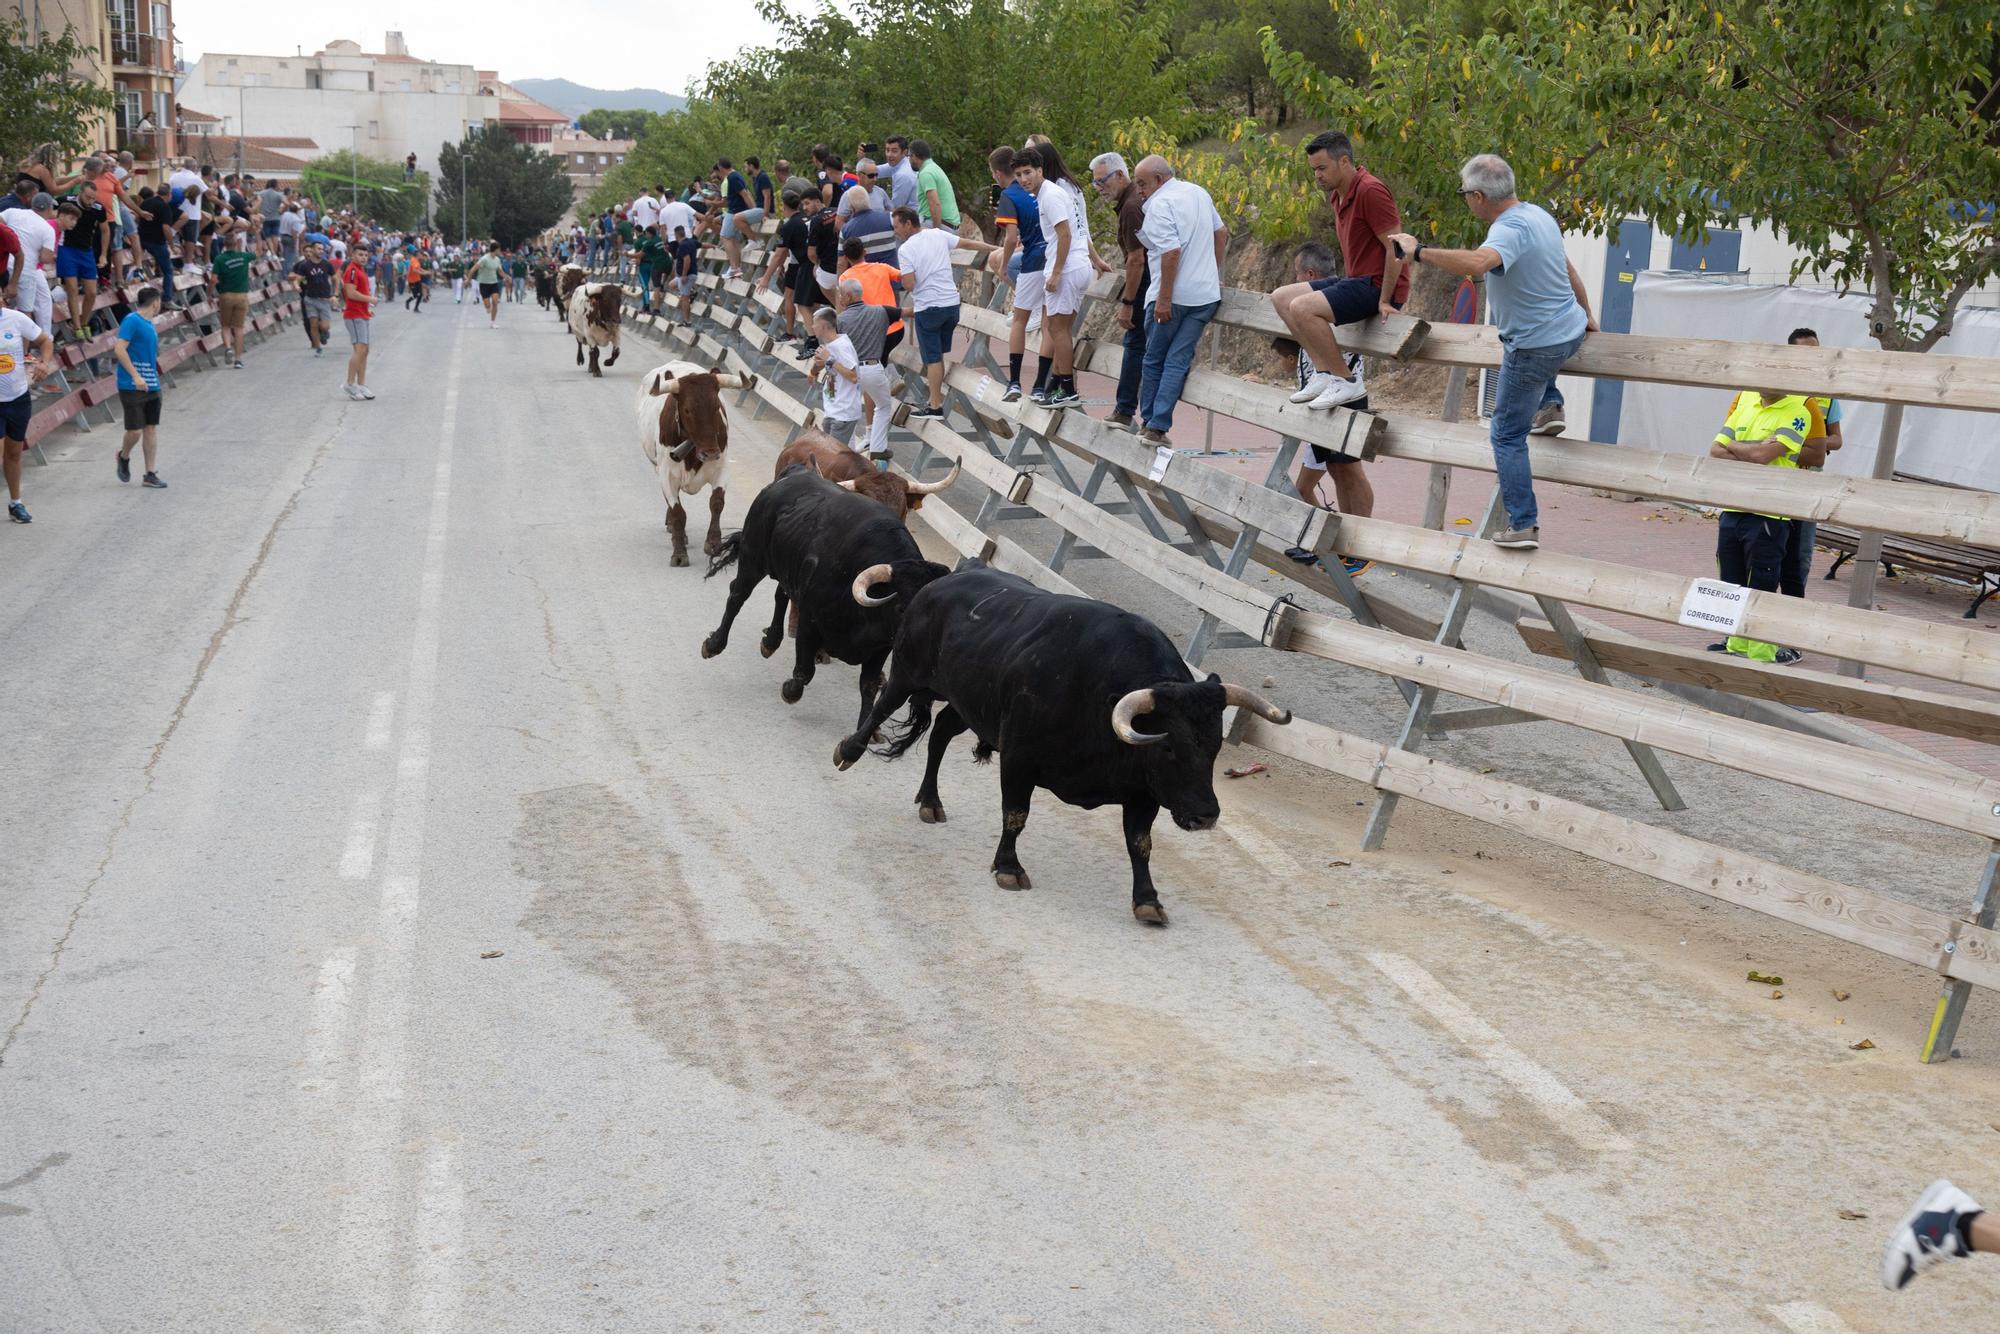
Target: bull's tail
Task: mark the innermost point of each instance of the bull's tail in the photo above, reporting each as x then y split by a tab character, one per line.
725	556
898	737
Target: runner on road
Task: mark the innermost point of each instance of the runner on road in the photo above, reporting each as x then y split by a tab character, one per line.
314	276
137	351
19	373
489	272
232	292
358	312
419	285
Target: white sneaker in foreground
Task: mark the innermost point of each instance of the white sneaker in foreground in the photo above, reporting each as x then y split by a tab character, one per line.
1316	384
1338	393
366	392
1928	1235
349	390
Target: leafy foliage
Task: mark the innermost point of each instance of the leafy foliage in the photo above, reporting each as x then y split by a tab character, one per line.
374	184
680	146
1259	179
41	99
513	193
624	123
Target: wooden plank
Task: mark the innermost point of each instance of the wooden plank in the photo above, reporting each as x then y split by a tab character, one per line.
1901	706
1874	921
1888	782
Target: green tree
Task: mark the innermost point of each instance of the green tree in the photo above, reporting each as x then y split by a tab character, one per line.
513	192
679	146
41	99
618	123
374	184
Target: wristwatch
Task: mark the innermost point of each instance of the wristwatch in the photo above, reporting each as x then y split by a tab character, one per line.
1417	257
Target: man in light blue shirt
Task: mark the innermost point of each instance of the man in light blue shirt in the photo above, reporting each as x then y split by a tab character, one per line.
901	174
1538	306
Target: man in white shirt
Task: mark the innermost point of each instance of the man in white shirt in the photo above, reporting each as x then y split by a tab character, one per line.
924	255
1184	238
19	371
836	357
645	211
1065	227
184	179
30	295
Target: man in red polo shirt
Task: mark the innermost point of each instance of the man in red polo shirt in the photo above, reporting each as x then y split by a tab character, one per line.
1373	281
357	313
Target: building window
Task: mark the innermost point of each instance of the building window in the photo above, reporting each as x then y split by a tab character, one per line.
232	62
312	78
374	129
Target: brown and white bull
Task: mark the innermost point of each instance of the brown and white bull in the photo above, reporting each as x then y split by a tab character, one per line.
595	310
853	472
685	431
568	278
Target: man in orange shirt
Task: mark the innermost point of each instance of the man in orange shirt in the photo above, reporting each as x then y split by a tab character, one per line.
416	279
863	283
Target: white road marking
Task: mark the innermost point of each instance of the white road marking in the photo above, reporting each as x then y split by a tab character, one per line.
1568	1111
440	1242
370	1221
1809	1318
358	858
333	992
1266	852
380	716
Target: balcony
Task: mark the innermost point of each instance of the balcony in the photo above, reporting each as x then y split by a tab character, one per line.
137	51
146	145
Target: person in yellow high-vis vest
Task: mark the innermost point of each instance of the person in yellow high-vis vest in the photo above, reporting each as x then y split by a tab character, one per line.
1775	430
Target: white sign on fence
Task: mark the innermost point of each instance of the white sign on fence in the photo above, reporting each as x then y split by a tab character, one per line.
1711	604
1162	456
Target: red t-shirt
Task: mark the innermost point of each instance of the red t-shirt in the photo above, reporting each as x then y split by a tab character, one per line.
1359	223
10	244
356	279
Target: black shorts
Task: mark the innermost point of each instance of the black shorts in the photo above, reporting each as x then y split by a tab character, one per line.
14	416
1352	300
142	407
489	289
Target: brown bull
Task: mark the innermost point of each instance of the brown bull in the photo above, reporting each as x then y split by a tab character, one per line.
684	429
837	463
568	278
595	310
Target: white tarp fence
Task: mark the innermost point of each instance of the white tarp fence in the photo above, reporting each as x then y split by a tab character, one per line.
1962	448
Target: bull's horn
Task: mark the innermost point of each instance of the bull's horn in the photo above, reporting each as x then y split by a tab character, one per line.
1128	708
845	486
941	484
734	380
666	388
1244	698
867	579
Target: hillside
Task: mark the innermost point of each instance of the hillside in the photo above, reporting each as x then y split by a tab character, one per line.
573	99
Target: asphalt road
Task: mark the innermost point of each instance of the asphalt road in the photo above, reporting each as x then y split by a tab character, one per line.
378	689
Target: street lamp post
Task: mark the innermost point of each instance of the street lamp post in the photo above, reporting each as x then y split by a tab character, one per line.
354	168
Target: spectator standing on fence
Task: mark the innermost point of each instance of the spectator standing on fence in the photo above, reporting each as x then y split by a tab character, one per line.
902	172
1775	429
27	353
1352	492
1799	551
84	251
1023	254
869	225
33	224
792	255
836	365
1184	239
924	256
1373	281
270	214
156	223
1113	180
865	326
1538	307
1944	1224
291	226
136	349
680	235
1065	231
936	201
740	214
624	238
357	312
314	277
231	271
645	210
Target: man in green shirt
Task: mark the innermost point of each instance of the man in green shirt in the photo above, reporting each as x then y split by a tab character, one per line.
627	237
487	272
653	262
232	293
937	203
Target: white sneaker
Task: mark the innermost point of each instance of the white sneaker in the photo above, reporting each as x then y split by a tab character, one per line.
1340	392
350	391
1316	384
1928	1234
366	392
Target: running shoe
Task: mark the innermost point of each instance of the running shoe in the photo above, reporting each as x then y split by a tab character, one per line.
1355	565
319	351
1787	656
1318	383
1063	397
152	479
235	365
1935	1230
1549	421
1013	394
124	468
1338	394
366	392
1519	539
1039	395
350	391
19	512
926	410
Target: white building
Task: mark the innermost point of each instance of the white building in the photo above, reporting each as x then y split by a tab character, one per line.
386	104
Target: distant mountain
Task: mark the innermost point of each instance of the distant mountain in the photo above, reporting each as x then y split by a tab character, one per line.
573	99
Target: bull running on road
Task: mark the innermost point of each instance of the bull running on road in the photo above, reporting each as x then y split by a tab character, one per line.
814	538
684	429
1079	697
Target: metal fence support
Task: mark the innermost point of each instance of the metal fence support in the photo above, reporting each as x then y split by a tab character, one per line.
1951	1005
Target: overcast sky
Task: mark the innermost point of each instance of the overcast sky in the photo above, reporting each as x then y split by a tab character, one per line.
601	43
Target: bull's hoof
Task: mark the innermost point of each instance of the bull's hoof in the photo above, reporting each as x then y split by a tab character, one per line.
769	644
712	546
679	561
822	658
933	815
792	690
1152	914
1012	880
713	645
846	753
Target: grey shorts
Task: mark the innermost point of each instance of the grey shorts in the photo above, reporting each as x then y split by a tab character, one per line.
319	308
357	332
843	431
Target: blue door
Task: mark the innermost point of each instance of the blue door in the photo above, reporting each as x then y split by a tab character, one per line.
1624	257
1721	252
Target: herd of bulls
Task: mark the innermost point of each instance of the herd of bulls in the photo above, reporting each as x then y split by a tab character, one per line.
1081	698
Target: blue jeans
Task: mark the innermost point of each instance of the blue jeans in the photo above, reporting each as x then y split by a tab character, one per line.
1169	354
1527	385
165	259
1134	365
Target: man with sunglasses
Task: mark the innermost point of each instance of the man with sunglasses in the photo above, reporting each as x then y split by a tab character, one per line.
1538	307
866	176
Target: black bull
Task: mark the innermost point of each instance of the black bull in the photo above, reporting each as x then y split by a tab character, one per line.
1079	697
814	538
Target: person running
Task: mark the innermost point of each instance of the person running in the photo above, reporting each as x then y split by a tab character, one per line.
232	293
740	213
488	272
27	354
454	269
359	308
314	277
137	352
1023	255
1944	1224
83	251
419	285
517	269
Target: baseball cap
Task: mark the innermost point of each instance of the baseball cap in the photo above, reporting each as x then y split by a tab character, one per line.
43	199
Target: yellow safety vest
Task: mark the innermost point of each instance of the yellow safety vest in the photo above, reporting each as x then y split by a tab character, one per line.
1793	419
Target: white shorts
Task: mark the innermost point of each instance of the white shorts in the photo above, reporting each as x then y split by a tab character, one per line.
823	278
1064	295
31	298
1030	288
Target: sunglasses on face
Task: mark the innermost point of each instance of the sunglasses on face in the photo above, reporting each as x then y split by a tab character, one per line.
868	175
1099	181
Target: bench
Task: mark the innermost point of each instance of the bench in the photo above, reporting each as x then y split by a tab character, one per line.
1978	567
